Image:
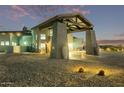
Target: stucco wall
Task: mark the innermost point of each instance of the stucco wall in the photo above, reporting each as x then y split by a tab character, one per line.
6	49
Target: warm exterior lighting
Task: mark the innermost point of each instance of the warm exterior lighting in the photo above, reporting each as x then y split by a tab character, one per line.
77	55
11	33
83	54
16	49
42	46
3	33
107	71
101	73
18	34
70	55
108	49
70	45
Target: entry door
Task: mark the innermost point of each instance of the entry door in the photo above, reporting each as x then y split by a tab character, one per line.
43	48
16	49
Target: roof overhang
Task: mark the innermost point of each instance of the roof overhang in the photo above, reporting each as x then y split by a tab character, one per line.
74	21
11	31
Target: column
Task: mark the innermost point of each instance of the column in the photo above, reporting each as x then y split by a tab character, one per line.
38	41
91	44
59	41
70	41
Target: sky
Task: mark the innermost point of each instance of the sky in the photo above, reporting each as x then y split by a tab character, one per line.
108	21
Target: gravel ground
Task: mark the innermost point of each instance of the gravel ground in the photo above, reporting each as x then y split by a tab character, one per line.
33	70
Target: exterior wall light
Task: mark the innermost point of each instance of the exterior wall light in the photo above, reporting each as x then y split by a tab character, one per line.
25	43
18	34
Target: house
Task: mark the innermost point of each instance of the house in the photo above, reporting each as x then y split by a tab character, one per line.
15	41
51	36
55	33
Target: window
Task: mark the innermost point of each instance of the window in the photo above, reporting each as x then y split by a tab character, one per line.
25	43
2	43
36	37
42	36
14	44
7	43
42	46
3	33
51	32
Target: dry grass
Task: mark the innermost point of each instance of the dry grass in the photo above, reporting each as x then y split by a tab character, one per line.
35	70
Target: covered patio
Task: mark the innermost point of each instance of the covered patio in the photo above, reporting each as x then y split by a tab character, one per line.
56	31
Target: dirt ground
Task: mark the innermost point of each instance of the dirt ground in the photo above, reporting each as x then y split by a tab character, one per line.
34	70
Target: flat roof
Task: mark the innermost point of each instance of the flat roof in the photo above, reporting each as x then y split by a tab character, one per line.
10	31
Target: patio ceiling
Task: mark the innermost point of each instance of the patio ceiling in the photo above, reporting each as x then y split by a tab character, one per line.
76	24
74	21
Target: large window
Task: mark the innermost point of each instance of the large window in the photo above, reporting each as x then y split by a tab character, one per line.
7	43
42	46
14	44
2	43
42	36
51	32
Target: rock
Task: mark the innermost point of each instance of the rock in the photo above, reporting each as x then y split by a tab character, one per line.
81	70
101	73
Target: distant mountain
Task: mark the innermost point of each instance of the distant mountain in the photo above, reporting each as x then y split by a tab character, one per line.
110	42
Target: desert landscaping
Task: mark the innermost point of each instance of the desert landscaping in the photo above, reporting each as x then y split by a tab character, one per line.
27	70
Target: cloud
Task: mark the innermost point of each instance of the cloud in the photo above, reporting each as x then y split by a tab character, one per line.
20	9
19	12
51	10
78	10
119	36
42	12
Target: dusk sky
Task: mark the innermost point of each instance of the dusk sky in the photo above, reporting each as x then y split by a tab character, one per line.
107	20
